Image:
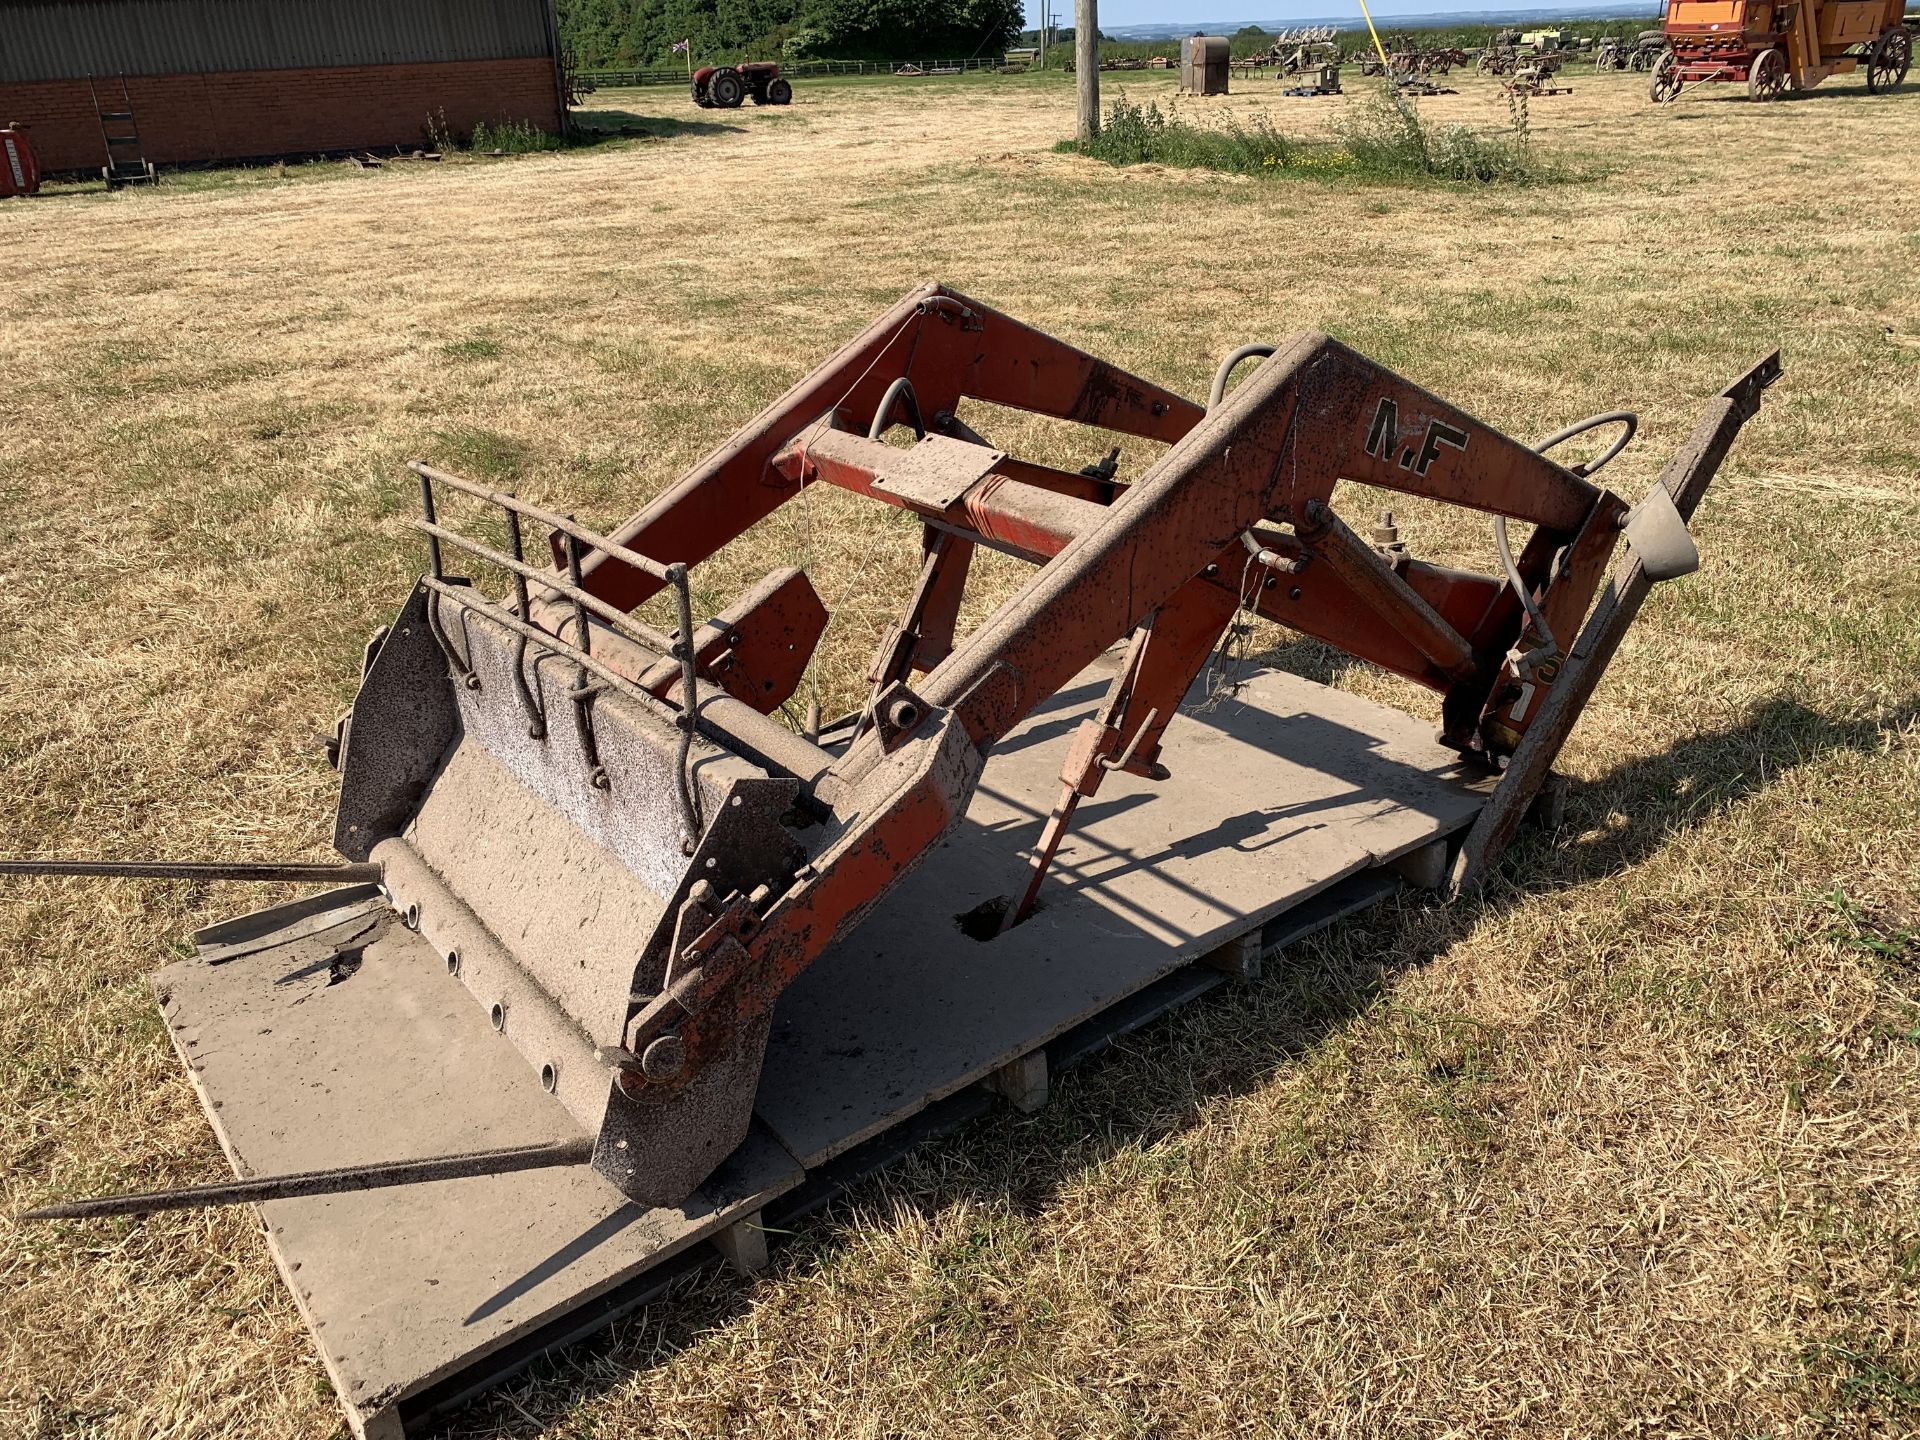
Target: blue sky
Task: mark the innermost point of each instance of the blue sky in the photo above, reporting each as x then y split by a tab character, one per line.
1149	12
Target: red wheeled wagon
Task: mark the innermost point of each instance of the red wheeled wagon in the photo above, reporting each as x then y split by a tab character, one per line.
1776	44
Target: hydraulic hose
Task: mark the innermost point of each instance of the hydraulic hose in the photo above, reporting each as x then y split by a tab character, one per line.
1630	424
901	389
1227	366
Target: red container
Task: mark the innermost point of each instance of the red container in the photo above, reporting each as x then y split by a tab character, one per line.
19	174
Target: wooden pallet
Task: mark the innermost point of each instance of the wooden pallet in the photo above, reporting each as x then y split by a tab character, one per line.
325	1033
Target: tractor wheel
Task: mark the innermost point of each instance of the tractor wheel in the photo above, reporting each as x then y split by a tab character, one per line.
725	89
1664	88
779	92
1767	76
1891	56
700	95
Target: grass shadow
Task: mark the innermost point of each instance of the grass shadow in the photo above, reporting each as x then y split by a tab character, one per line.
594	127
1154	1082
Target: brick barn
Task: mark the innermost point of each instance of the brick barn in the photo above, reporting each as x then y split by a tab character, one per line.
253	79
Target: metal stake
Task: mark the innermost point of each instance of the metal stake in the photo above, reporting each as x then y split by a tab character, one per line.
326	1182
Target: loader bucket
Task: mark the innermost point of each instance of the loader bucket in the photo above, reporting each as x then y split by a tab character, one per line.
541	820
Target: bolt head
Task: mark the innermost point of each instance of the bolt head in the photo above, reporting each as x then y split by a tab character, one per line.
665	1058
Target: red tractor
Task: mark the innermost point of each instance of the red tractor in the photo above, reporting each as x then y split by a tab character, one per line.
723	87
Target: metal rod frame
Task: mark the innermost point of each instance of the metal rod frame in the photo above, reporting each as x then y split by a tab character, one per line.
572	537
610	679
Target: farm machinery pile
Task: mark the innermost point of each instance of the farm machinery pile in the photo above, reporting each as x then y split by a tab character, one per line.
1413	70
1641	53
619	963
1529	63
1780	45
1499	55
1296	51
1310	57
1537	76
1412	62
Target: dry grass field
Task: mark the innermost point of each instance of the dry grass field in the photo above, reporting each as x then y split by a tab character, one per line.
1627	1146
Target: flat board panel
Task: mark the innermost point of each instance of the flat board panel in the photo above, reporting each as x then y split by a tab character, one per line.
355	1046
1276	794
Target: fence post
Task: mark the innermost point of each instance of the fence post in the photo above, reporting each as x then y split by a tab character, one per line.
1086	65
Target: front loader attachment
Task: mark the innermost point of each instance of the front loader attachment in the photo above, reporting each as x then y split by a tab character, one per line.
625	860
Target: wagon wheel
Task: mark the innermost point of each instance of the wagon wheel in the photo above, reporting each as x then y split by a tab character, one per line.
1665	85
1767	77
1891	56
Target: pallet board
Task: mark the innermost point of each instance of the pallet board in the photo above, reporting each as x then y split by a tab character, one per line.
1277	793
347	1046
325	1033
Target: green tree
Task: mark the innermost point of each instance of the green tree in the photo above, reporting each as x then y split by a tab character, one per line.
895	29
637	33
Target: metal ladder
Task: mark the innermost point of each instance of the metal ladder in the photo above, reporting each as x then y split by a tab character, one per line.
127	162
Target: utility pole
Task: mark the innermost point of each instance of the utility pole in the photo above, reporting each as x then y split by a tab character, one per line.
1086	65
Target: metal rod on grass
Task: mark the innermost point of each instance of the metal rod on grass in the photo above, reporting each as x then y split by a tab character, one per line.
326	1182
295	873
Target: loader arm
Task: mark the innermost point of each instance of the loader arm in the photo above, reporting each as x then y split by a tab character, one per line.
1315	413
946	346
628	859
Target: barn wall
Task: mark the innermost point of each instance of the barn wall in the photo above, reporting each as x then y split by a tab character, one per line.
244	114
